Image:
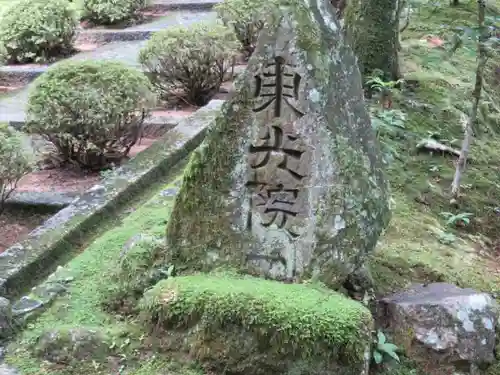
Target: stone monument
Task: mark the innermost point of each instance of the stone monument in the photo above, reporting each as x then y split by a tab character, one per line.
289	182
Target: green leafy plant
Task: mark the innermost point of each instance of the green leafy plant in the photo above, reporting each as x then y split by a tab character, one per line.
189	62
95	125
384	349
388	124
245	17
378	84
384	89
16	160
37	30
108	12
446	238
460	219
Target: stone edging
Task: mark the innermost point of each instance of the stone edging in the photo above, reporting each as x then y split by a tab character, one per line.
165	5
49	200
25	263
152	125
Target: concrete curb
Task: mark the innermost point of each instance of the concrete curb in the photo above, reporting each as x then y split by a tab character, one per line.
166	5
103	36
23	75
152	125
23	265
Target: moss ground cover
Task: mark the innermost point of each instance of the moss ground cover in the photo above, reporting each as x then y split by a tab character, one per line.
273	323
82	305
418	245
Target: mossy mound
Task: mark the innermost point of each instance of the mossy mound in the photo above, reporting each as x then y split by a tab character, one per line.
246	325
66	345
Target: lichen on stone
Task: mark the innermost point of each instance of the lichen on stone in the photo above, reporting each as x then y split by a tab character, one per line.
344	197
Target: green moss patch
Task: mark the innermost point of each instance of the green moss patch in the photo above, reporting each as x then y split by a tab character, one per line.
247	324
419	246
94	279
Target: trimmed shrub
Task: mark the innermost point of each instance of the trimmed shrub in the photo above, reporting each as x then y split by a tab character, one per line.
247	325
16	160
37	30
189	62
246	19
108	12
92	111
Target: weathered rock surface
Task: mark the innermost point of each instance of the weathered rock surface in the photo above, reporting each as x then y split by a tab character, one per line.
66	345
7	370
5	317
289	182
443	327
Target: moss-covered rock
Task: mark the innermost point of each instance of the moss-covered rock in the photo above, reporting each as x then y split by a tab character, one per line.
254	326
289	181
67	345
136	269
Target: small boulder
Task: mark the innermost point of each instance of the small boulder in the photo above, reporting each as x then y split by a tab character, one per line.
5	317
243	325
66	345
7	370
442	327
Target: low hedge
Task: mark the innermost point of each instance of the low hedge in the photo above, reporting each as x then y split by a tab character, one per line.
37	30
92	111
189	62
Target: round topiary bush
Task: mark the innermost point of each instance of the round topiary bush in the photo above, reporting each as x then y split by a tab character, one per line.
189	62
246	19
92	111
16	160
108	12
37	30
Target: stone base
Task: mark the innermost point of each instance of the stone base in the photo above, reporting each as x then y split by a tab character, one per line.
252	326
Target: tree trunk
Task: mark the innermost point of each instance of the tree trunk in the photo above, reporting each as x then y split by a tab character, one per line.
372	27
476	97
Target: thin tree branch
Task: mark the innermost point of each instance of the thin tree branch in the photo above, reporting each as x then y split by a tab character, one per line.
482	52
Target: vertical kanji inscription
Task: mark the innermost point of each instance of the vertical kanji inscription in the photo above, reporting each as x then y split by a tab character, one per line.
278	157
277	84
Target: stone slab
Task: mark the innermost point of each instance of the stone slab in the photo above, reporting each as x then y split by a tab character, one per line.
39	252
41	199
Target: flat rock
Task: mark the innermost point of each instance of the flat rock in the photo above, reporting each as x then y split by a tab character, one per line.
50	199
74	344
441	326
289	182
7	370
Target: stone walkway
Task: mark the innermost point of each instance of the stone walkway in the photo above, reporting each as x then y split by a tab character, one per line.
12	106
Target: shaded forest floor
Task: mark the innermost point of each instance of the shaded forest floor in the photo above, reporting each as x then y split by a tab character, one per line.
420	244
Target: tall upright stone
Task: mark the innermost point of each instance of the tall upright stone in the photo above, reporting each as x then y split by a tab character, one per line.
288	183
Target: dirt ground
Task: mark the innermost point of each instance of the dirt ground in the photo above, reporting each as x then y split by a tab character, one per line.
15	224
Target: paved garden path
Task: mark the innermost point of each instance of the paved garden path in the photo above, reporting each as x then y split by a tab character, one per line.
12	106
